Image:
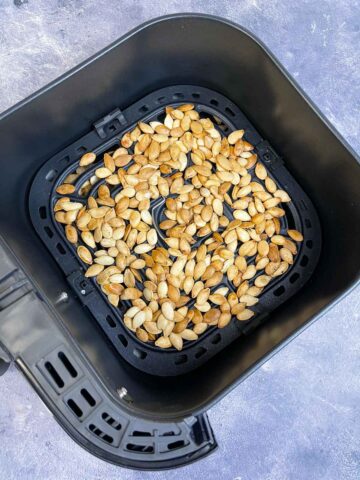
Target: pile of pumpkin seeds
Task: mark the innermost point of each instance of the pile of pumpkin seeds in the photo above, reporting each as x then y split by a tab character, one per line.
175	291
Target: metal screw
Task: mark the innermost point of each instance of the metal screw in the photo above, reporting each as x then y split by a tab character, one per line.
62	298
83	292
122	392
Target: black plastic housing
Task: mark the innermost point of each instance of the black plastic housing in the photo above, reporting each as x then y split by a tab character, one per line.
177	50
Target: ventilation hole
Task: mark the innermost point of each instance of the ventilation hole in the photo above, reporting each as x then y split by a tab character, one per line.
49	232
61	249
181	359
111	421
309	244
81	150
196	95
123	339
143	109
54	374
65	159
88	397
200	352
177	444
279	291
75	408
216	339
99	433
161	99
214	102
110	321
229	111
67	364
42	212
139	354
140	448
304	261
138	433
176	96
112	128
303	205
307	223
295	276
51	175
168	434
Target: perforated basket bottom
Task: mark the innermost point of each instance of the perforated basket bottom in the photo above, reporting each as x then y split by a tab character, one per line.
300	214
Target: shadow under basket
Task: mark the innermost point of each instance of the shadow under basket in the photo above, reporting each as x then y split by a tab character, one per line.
125	401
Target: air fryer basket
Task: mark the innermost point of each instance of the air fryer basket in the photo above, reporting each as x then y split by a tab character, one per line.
300	215
55	327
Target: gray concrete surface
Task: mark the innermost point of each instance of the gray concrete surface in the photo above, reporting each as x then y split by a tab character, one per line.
298	416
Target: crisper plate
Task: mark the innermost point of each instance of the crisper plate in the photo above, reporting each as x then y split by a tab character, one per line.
300	215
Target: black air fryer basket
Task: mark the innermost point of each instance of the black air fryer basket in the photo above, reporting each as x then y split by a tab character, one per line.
128	402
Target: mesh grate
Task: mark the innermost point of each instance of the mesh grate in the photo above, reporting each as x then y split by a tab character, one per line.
300	215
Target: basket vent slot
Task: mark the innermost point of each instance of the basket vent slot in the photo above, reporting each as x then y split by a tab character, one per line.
279	291
175	445
133	447
111	421
200	352
49	232
81	149
144	109
54	374
123	339
181	359
110	321
229	111
75	407
138	433
42	213
304	261
216	339
294	277
99	433
61	249
139	353
67	364
50	176
88	397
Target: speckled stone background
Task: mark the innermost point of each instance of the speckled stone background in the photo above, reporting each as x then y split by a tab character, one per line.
298	417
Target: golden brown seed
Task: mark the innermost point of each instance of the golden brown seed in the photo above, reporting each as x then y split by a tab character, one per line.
168	310
245	315
85	254
176	341
131	293
235	136
94	270
262	280
163	342
188	334
260	171
71	233
212	315
87	159
295	235
65	189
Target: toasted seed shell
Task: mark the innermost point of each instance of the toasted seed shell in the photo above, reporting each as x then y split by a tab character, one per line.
295	235
245	315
